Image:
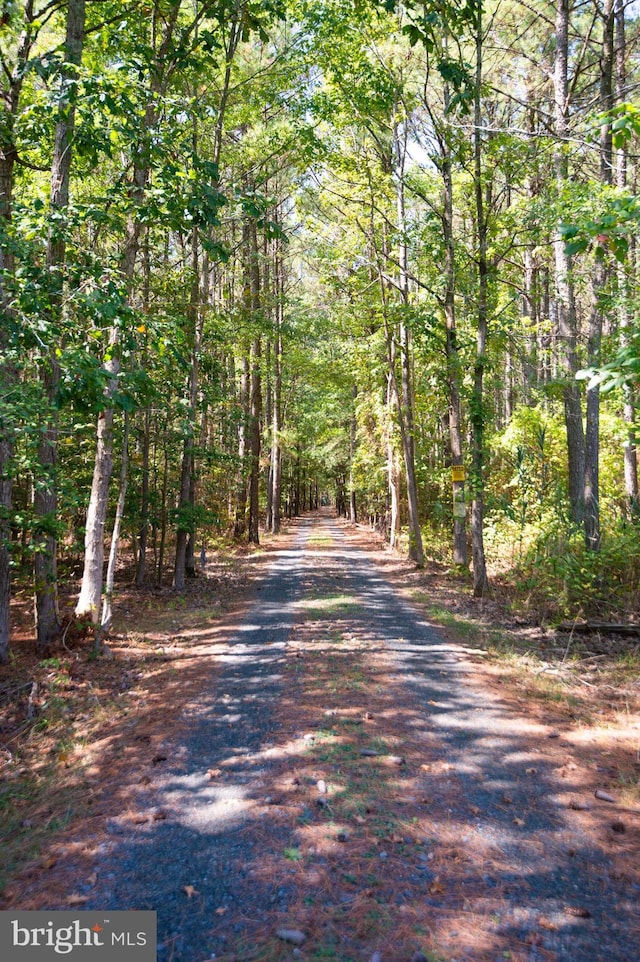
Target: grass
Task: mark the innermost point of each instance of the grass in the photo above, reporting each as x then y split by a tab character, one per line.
328	605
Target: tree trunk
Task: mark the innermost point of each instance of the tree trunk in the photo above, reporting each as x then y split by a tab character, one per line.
240	525
255	439
45	496
107	612
255	402
91	590
564	293
453	366
480	580
600	280
629	407
405	410
143	534
276	449
185	530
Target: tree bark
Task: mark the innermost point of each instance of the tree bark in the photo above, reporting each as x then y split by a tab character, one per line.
185	528
480	580
405	410
255	400
564	294
600	280
107	604
276	448
629	406
353	507
460	556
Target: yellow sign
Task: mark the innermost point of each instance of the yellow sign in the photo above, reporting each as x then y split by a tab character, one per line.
457	472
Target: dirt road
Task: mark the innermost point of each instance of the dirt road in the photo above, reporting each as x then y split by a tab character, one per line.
346	784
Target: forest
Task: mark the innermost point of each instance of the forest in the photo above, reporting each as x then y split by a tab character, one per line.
264	255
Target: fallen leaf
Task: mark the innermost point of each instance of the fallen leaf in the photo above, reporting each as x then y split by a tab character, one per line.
214	772
189	890
77	899
532	771
507	800
474	809
221	910
436	887
49	862
519	822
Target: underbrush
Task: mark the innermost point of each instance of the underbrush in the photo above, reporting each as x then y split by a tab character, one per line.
555	577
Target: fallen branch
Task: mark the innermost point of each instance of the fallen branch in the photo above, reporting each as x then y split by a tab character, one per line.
590	627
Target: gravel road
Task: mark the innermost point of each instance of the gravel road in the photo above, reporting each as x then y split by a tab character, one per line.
496	768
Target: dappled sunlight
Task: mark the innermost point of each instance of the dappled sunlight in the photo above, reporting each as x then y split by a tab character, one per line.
342	773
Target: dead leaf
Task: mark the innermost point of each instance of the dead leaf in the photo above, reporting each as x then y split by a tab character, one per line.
436	887
519	822
507	800
214	772
221	910
474	809
189	890
76	899
49	862
532	771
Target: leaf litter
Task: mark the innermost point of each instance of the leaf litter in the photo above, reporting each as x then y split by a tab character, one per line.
416	875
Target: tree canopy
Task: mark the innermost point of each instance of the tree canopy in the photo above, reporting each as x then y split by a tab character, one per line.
259	256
